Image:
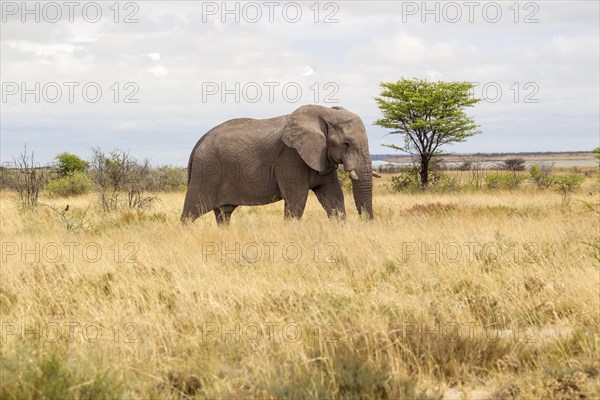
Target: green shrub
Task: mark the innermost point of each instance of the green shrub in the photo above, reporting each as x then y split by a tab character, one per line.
403	183
410	181
566	184
73	184
541	174
506	180
68	164
443	183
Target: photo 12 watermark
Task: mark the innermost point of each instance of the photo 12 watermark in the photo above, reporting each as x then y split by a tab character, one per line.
69	332
271	92
69	252
69	92
270	252
471	251
455	331
52	12
256	332
517	92
452	12
252	12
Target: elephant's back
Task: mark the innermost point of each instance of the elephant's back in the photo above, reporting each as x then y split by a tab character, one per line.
234	162
235	137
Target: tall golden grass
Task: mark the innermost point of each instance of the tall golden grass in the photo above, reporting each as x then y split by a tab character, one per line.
480	294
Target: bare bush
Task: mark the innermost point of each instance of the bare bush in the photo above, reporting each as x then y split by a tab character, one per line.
476	176
167	179
73	220
116	173
28	179
137	181
8	177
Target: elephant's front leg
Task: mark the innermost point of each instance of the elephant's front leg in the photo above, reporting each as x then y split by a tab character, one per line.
295	201
331	197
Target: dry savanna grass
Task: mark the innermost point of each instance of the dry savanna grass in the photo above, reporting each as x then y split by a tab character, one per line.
479	294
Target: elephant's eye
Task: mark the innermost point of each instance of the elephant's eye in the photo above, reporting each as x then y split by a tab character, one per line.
346	145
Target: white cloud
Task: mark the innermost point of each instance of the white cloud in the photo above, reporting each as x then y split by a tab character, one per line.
43	49
158	71
434	75
308	71
154	56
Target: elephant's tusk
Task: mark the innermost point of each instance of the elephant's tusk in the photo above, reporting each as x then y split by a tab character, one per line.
353	175
375	174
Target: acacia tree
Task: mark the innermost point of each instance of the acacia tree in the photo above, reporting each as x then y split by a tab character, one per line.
428	114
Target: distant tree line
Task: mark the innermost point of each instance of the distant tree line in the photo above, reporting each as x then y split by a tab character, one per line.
119	179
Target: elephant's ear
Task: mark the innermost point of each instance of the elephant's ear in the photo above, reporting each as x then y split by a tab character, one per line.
305	132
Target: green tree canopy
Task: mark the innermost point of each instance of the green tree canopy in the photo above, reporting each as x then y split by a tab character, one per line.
428	114
68	164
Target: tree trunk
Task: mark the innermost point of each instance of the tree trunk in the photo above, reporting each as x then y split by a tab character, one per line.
424	171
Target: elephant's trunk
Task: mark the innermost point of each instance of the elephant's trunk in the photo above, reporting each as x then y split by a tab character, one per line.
362	185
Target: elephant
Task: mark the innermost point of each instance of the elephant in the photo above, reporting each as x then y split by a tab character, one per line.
253	162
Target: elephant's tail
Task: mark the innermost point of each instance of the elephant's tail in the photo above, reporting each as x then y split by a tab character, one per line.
189	171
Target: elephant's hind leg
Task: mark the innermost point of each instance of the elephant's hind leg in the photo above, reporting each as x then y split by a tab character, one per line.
192	210
223	213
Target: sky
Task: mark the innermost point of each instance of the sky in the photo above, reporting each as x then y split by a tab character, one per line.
151	77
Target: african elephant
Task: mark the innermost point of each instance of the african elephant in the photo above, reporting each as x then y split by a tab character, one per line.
260	161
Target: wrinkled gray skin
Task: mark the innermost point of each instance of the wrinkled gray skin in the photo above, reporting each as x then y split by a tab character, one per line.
254	162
